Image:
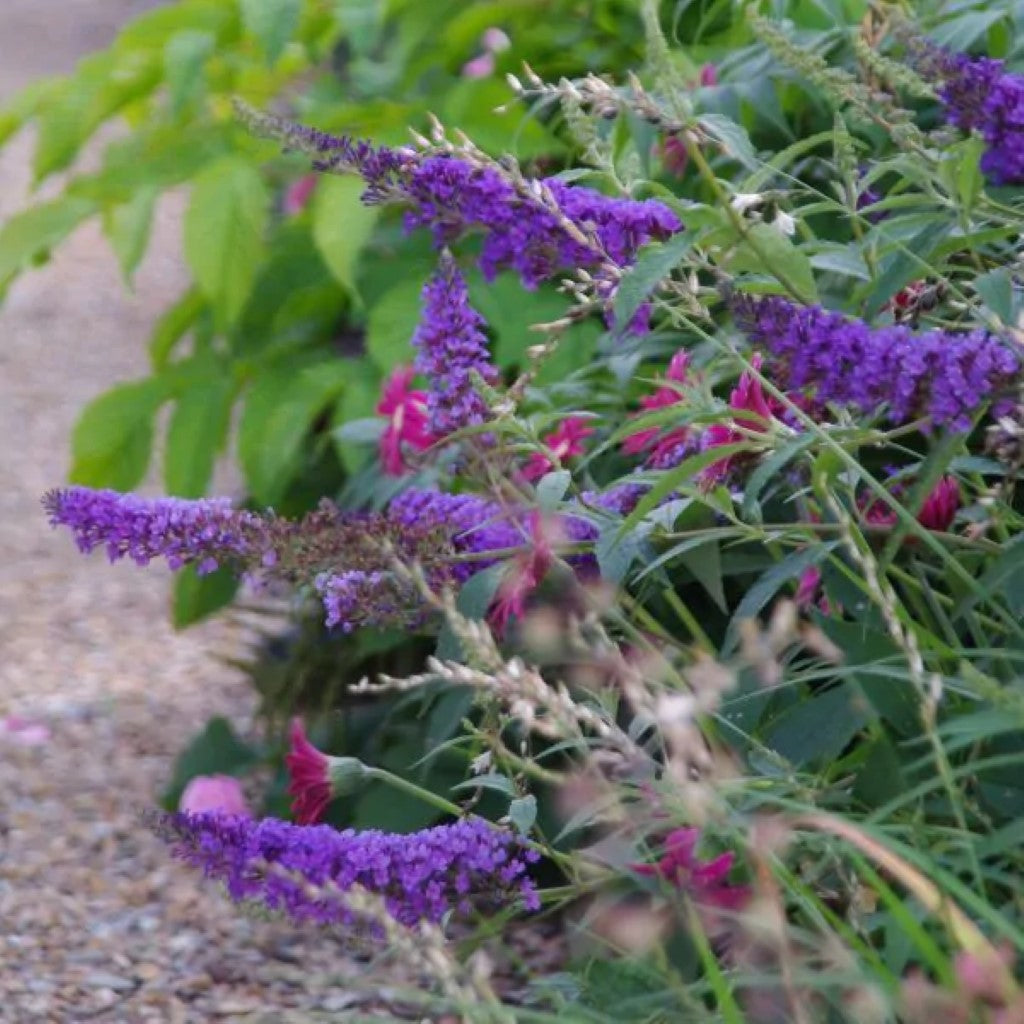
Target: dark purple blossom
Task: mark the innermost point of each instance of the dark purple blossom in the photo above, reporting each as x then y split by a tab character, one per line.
979	95
450	344
204	532
943	377
421	875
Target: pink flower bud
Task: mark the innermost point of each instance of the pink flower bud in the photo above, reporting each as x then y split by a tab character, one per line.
219	793
298	194
494	40
479	67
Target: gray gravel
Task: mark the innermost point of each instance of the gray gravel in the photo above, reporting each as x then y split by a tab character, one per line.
96	921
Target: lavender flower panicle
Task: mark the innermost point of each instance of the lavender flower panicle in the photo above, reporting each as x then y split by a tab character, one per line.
204	532
942	376
421	875
450	344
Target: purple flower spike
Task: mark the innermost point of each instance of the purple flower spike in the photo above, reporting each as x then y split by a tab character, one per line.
450	344
421	875
204	532
941	376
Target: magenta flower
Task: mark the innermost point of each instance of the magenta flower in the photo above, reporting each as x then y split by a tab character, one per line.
709	75
747	397
664	397
407	420
220	793
940	507
705	881
564	443
937	512
524	575
298	194
317	779
479	67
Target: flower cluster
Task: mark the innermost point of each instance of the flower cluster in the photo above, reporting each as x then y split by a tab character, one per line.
979	95
943	377
564	442
667	448
421	876
525	224
450	346
705	881
205	532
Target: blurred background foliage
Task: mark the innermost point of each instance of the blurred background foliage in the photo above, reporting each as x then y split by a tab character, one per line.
303	300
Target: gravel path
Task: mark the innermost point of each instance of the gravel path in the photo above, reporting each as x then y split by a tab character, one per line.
96	922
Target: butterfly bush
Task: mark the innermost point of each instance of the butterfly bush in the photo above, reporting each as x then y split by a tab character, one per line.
422	875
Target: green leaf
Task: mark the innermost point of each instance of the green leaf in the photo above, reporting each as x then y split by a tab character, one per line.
342	225
279	412
653	264
217	750
391	323
357	405
272	22
551	488
819	727
705	562
185	59
489	780
522	812
28	237
197	431
996	290
224	226
841	259
733	137
173	325
766	250
113	438
197	597
770	582
127	227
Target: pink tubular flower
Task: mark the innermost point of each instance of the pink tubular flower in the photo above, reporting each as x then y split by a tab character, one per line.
298	193
315	778
937	512
564	443
407	420
219	793
748	396
940	507
661	399
494	40
709	75
705	880
523	576
479	67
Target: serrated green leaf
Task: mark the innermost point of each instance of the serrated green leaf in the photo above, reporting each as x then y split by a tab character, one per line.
224	226
272	22
342	225
127	227
113	438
